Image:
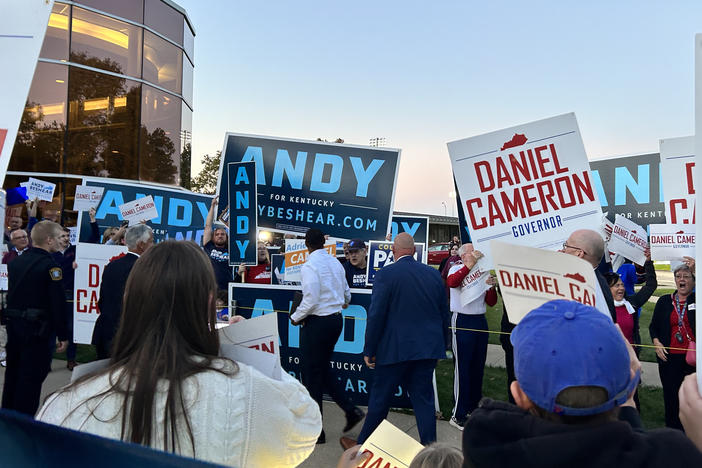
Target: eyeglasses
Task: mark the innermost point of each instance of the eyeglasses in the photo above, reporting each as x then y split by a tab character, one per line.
566	246
687	277
18	237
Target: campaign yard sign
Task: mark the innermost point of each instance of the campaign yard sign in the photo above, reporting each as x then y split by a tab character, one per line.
91	260
380	255
40	189
678	175
527	185
415	226
296	254
474	284
529	277
242	213
672	241
389	446
142	209
630	186
628	240
87	197
346	191
346	363
181	214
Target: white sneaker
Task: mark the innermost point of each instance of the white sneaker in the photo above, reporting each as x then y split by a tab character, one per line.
458	424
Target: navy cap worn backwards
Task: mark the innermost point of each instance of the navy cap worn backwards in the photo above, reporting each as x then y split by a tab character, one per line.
356	244
564	344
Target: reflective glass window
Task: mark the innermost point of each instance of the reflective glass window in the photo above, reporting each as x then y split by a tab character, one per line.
55	44
189	41
163	62
187	81
105	43
160	137
186	135
164	19
128	9
39	143
103	125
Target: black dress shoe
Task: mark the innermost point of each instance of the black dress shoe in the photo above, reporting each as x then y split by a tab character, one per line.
353	418
322	439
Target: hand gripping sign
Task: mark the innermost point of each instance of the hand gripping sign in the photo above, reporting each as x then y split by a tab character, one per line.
530	277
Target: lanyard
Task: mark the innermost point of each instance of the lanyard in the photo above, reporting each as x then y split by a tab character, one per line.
681	313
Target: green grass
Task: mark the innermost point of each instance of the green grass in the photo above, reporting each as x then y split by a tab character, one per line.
661	266
495	387
84	353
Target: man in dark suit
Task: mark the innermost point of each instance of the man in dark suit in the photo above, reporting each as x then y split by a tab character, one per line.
114	278
405	335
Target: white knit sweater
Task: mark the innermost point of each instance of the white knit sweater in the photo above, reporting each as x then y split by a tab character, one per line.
242	420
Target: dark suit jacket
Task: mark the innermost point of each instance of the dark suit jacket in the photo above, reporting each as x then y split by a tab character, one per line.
114	279
408	316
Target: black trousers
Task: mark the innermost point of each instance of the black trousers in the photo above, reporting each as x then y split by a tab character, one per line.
506	327
318	336
672	373
28	363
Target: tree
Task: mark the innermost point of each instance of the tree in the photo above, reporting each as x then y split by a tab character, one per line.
185	155
206	180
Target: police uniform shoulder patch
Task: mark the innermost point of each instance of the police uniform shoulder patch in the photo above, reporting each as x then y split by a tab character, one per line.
56	274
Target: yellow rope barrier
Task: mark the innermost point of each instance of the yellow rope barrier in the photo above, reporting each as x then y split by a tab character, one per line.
493	332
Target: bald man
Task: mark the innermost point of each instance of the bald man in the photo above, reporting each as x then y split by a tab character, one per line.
589	245
405	336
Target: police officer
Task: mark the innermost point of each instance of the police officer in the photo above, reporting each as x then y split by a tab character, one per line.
35	313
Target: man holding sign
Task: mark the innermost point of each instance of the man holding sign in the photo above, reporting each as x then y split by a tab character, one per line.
472	288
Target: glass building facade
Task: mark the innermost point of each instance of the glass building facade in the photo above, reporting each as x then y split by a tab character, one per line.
111	97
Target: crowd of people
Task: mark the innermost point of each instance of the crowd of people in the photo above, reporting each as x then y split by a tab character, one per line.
573	370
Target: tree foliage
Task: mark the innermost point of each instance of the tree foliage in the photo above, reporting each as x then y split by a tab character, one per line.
206	180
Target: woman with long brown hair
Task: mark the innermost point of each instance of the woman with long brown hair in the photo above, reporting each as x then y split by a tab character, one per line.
166	388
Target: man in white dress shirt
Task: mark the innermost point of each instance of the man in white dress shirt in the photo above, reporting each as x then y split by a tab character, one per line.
325	292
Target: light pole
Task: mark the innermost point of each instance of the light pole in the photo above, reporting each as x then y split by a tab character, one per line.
452	196
444	203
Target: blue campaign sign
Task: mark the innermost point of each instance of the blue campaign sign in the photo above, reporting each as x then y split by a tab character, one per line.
346	191
242	213
380	255
347	360
462	224
415	226
181	214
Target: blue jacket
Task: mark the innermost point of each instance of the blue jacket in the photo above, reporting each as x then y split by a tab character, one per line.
409	315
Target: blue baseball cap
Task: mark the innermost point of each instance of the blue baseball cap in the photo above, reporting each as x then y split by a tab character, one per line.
356	244
564	344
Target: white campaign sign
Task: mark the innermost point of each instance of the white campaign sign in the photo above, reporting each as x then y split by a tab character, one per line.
141	209
527	185
390	446
40	189
530	277
91	260
473	285
672	241
628	240
678	176
3	277
23	25
87	197
260	333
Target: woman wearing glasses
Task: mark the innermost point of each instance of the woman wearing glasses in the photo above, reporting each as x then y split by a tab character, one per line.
672	329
